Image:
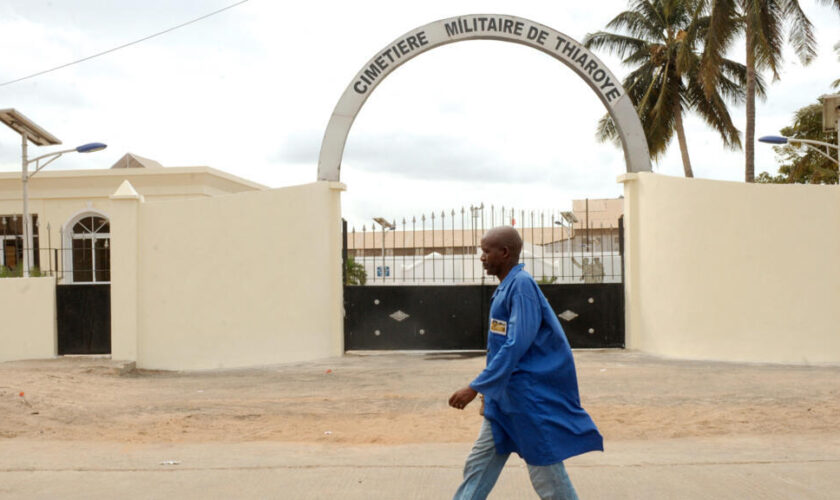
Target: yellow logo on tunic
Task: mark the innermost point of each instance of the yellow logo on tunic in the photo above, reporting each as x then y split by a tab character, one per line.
498	326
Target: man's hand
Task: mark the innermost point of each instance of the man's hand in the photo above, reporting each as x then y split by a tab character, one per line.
462	398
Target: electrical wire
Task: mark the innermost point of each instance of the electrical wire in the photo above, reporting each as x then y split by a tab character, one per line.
33	75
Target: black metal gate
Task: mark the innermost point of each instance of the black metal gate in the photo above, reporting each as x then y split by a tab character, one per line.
84	319
455	317
390	303
414	317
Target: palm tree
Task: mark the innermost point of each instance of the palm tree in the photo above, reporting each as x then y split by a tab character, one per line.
659	39
762	22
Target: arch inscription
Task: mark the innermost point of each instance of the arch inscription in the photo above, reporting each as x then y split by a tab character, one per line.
484	27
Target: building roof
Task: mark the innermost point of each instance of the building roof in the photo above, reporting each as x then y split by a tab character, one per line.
131	160
601	214
444	238
149	177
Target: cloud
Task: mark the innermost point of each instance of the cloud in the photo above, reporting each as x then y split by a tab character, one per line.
9	152
250	91
430	157
299	147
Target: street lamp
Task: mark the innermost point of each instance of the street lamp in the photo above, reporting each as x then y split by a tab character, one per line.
386	226
831	121
29	131
571	219
779	139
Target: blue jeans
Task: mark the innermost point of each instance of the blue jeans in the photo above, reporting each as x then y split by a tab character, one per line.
484	466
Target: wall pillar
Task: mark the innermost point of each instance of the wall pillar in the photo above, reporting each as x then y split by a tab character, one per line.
336	263
632	223
124	272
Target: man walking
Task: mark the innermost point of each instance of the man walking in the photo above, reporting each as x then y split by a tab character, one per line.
532	406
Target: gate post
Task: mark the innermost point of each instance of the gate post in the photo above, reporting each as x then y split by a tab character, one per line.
630	259
125	203
343	251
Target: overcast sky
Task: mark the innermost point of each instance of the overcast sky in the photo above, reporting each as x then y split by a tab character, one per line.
250	90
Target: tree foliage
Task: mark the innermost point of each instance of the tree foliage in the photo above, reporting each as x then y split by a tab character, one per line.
799	163
354	272
662	41
763	24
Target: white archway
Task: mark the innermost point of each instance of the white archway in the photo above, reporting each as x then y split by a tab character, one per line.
484	27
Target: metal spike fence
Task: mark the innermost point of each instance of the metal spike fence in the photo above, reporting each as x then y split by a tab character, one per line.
90	256
90	265
445	248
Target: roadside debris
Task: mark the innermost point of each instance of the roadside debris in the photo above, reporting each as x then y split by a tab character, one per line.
23	398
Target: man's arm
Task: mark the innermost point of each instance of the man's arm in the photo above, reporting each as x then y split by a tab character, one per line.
523	325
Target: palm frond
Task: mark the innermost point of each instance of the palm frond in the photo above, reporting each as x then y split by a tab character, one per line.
764	22
653	83
737	73
722	29
653	11
635	24
731	91
678	12
614	44
664	104
715	114
801	35
637	58
606	131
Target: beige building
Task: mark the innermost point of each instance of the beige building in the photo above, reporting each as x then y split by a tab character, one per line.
702	277
142	262
71	211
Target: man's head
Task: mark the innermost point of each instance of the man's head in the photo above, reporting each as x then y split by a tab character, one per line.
500	248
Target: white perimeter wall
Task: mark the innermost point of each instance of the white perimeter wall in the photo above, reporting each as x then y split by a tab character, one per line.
238	280
731	271
27	306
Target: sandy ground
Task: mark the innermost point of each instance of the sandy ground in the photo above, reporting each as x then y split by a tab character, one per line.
399	398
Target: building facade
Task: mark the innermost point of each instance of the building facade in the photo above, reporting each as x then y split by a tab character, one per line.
70	212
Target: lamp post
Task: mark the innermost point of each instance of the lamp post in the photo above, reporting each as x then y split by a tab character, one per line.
29	131
571	219
386	226
831	121
780	139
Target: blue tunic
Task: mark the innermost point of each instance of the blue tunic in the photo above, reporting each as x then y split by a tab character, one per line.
529	385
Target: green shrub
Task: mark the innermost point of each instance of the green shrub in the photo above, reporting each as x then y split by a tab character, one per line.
355	272
17	272
14	272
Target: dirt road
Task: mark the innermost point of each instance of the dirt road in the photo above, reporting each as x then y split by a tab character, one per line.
399	398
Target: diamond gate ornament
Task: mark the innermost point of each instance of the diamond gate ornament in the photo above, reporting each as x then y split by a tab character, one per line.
398	315
568	315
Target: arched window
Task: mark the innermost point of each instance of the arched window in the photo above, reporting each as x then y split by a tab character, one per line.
91	250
